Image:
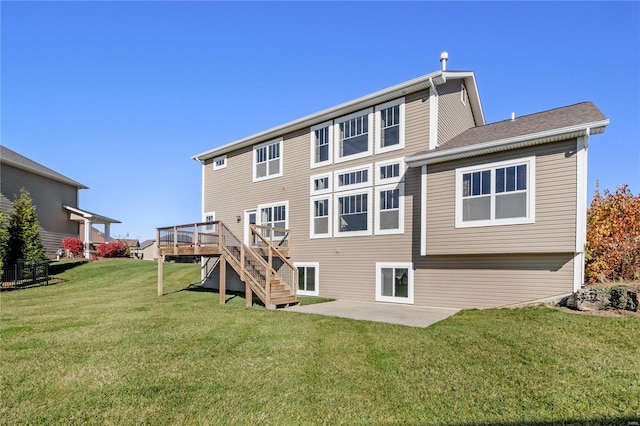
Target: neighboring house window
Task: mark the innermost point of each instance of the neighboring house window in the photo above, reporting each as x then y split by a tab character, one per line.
352	215
496	194
267	160
308	278
321	144
357	177
390	209
353	138
321	184
394	282
390	126
390	171
220	162
320	220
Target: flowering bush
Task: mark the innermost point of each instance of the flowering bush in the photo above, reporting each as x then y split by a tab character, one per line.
112	249
75	246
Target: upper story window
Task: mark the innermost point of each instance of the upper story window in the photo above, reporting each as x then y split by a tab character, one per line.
390	209
390	126
390	171
496	194
321	184
267	160
353	138
320	220
321	143
353	213
357	177
220	162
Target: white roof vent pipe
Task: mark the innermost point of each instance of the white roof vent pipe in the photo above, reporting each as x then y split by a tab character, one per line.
444	56
513	116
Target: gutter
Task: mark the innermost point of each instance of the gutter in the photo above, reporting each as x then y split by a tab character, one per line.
508	143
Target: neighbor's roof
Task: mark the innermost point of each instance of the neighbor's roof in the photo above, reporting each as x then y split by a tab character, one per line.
16	160
547	126
376	98
84	214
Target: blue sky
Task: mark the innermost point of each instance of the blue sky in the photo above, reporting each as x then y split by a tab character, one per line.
120	95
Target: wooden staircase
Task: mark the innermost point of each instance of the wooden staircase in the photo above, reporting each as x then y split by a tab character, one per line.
263	267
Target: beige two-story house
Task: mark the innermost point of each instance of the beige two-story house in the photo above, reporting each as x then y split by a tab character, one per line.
407	196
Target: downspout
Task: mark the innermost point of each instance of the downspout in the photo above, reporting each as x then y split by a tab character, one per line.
581	209
433	115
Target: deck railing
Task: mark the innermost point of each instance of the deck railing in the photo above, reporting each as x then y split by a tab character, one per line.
276	240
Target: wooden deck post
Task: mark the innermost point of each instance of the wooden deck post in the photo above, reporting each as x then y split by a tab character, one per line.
160	273
248	295
222	279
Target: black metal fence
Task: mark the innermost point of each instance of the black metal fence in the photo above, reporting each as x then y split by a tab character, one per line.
26	273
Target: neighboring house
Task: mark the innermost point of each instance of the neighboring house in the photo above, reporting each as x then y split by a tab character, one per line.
148	250
407	196
54	196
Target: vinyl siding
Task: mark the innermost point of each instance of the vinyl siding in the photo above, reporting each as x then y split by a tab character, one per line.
555	205
347	265
454	117
48	196
488	281
461	274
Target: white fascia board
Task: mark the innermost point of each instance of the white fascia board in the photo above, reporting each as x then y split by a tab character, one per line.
506	144
370	100
91	216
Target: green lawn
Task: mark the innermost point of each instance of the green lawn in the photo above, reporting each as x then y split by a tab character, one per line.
99	347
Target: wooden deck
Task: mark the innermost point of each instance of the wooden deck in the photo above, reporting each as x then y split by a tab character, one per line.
263	265
203	239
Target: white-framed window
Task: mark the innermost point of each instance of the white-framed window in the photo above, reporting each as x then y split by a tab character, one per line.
390	171
501	193
463	94
320	220
394	282
390	126
321	144
308	278
321	184
353	135
352	216
208	217
220	162
355	177
267	160
390	209
275	215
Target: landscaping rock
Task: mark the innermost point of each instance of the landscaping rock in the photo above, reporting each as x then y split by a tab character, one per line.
588	299
591	299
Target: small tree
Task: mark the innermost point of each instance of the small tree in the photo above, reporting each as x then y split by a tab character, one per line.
24	237
4	240
613	236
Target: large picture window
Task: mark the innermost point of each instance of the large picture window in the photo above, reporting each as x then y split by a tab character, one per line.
496	194
353	213
267	160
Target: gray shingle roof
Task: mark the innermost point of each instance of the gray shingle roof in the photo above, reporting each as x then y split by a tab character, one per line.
558	118
13	158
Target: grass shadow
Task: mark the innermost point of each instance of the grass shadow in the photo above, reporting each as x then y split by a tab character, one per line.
197	287
618	421
56	268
